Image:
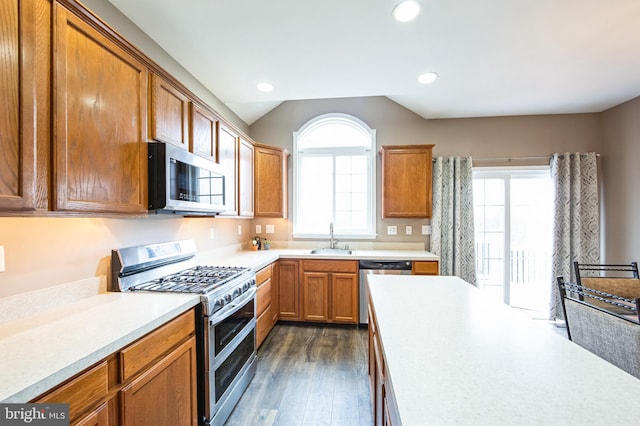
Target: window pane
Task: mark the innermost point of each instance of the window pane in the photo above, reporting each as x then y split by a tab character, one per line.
494	192
334	134
494	218
316	201
334	184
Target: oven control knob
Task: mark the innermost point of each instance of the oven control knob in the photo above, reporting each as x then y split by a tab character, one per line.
227	298
237	292
219	304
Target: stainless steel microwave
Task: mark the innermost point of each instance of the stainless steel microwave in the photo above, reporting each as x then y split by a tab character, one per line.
181	182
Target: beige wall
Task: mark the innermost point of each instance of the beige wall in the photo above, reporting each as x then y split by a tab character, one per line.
522	136
42	252
621	192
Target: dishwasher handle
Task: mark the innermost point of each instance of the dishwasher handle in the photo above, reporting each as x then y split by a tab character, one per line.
396	265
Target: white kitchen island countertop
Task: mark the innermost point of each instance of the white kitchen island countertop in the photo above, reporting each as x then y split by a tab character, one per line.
457	358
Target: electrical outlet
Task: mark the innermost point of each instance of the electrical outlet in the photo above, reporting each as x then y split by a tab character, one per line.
392	230
408	229
258	229
426	229
1	258
239	229
212	233
270	229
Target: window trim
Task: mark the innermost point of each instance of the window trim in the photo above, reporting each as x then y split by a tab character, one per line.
359	125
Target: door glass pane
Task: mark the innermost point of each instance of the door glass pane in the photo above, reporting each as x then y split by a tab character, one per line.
530	255
513	258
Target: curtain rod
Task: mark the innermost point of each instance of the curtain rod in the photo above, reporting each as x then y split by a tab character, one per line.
533	157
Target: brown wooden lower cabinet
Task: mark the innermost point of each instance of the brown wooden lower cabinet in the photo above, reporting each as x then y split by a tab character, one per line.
98	417
288	290
165	393
152	381
385	412
264	303
425	267
330	291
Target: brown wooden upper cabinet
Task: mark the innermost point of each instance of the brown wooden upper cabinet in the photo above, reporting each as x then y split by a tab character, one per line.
270	181
228	159
406	181
168	113
245	177
204	132
25	84
100	126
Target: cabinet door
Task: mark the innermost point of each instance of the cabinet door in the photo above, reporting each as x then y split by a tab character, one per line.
25	105
344	298
228	159
315	296
406	181
275	295
371	355
169	113
82	392
428	267
98	417
268	182
204	133
100	121
288	290
378	402
245	178
165	394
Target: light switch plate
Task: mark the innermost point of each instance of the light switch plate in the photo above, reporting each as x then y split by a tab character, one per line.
239	229
270	229
1	258
426	229
408	229
392	230
212	233
258	229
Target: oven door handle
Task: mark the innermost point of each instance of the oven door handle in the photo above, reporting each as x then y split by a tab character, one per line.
232	307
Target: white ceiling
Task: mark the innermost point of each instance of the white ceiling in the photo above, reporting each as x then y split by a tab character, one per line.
493	57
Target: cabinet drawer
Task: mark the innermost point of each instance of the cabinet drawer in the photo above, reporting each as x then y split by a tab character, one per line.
83	391
263	325
330	265
263	297
263	274
425	267
140	354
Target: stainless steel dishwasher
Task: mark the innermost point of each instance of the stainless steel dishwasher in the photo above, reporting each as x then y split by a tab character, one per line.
370	267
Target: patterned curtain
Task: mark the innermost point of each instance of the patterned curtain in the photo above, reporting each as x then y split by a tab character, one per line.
576	224
453	237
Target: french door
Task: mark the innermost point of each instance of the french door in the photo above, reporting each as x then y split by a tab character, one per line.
513	228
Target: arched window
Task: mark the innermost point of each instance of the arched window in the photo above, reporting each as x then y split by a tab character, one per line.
334	178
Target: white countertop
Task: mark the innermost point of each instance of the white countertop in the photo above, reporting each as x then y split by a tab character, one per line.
42	350
48	336
455	357
261	258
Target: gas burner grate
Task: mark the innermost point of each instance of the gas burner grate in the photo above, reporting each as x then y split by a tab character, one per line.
199	279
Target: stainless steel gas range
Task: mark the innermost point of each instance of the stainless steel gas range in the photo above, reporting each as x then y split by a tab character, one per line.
226	329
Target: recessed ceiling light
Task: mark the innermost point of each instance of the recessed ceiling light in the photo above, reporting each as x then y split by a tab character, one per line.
265	87
427	78
407	10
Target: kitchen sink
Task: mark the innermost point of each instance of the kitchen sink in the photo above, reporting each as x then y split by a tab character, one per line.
328	250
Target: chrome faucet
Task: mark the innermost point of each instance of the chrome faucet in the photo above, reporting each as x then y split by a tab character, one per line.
332	241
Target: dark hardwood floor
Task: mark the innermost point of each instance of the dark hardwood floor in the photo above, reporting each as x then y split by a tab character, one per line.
308	375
